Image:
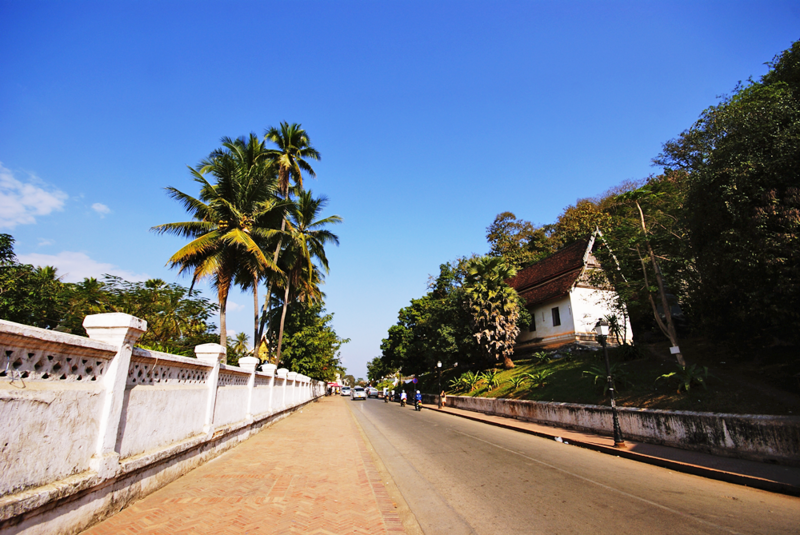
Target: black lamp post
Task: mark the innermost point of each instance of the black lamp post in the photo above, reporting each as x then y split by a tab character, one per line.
439	365
601	328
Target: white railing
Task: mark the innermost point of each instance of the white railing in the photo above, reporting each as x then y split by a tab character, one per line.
78	412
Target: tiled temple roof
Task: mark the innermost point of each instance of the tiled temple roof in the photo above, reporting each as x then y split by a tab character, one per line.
552	277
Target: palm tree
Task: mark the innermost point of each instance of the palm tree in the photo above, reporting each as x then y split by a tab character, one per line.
230	219
307	240
291	155
493	305
294	148
240	345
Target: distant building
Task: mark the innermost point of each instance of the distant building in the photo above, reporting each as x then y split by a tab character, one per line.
566	294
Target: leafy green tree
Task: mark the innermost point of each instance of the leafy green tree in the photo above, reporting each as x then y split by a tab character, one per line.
435	327
580	220
176	321
377	370
230	219
518	241
742	206
642	240
311	345
28	294
494	307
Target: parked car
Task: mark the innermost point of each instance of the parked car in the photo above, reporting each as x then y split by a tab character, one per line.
345	390
358	393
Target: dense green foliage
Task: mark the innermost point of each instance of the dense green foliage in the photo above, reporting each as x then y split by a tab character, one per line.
447	324
310	344
176	321
517	241
742	208
28	294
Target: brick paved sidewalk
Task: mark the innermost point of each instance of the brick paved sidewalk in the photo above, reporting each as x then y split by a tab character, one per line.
309	473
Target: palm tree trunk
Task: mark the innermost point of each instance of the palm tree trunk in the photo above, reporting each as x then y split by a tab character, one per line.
283	319
270	284
222	293
256	339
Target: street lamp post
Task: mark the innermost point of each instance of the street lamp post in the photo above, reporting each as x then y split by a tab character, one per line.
601	328
439	366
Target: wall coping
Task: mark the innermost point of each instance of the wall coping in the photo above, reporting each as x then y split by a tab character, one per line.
778	417
36	338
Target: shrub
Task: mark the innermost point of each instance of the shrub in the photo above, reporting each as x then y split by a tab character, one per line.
517	381
687	376
537	379
619	376
491	379
471	380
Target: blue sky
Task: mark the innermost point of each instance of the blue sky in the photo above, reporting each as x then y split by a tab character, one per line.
431	117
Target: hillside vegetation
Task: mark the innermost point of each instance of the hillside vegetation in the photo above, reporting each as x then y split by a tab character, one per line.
715	235
732	386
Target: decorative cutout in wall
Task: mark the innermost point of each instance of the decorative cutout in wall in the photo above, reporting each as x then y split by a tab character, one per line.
154	372
47	366
232	379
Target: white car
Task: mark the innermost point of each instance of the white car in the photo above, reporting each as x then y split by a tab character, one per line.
358	393
345	390
372	392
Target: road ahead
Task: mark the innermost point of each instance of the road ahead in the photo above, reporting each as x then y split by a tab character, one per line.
464	477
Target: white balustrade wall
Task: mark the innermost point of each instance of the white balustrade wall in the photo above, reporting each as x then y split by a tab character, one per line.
92	424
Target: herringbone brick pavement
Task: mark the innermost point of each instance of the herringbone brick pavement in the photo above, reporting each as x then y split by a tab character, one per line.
309	473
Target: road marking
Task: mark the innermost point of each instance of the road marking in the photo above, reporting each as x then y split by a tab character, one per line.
645	500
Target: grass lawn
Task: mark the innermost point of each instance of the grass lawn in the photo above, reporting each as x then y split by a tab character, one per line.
769	384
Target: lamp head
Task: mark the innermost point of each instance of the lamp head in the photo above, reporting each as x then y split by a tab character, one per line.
601	328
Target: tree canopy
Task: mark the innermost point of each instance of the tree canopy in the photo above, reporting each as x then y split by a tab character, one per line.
176	320
742	206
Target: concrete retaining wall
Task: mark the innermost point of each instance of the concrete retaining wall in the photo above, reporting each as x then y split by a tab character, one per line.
91	424
760	438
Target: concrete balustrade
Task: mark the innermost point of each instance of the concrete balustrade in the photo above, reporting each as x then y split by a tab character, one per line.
92	424
762	438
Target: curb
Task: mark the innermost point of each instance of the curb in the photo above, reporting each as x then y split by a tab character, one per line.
677	466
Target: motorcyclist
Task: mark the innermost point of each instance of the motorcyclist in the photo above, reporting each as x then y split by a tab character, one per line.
417	400
403	398
385	395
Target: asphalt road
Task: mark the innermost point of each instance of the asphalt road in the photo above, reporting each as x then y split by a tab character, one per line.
464	477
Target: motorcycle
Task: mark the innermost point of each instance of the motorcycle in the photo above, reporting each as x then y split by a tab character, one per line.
402	402
417	405
386	398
